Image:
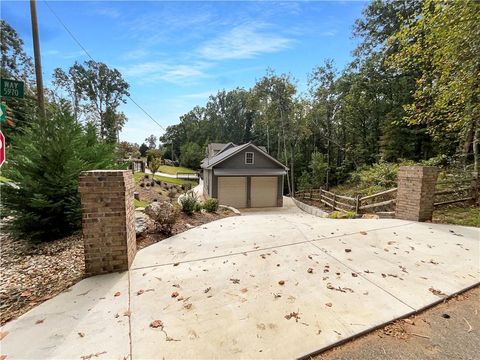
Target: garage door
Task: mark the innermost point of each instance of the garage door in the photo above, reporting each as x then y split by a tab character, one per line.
232	191
264	192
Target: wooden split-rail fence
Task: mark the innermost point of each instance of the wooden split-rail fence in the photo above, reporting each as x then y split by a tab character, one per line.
451	191
447	192
382	202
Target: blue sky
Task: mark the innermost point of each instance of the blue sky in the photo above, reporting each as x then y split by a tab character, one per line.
175	54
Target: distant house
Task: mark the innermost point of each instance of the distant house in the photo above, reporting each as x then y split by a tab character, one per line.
243	176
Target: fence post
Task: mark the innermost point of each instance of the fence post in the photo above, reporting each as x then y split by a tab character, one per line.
475	184
311	193
334	201
357	204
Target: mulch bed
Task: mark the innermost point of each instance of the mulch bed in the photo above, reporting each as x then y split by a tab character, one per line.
34	273
184	223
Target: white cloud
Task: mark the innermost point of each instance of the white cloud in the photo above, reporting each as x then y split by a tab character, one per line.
200	95
243	42
155	71
108	12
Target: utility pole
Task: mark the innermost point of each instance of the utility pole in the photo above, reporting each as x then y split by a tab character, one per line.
38	61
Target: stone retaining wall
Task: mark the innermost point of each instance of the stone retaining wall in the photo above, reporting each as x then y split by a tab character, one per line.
312	210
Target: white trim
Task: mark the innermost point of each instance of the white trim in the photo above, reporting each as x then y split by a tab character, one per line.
246	157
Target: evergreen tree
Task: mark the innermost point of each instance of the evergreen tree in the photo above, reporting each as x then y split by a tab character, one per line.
45	162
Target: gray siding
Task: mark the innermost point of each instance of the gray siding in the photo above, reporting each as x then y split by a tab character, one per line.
237	161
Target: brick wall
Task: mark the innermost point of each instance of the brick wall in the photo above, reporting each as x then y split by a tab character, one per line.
108	220
415	194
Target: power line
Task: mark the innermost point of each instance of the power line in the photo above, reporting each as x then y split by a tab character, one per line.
90	56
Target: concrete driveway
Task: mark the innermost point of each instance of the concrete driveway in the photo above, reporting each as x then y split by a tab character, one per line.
268	284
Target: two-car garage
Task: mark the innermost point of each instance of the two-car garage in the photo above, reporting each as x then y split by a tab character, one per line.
243	191
243	176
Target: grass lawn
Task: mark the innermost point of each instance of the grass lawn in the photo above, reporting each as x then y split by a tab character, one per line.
138	176
458	215
175	169
140	203
3	179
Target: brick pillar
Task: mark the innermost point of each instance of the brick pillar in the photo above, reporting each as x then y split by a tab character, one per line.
415	194
108	220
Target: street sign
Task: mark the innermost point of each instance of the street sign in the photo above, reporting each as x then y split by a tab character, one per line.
3	112
2	149
11	88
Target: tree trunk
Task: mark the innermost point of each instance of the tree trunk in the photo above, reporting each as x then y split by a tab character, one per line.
475	147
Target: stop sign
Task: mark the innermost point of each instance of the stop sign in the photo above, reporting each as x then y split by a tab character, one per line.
2	148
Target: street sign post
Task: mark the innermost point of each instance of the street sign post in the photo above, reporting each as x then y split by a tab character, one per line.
3	112
11	88
2	149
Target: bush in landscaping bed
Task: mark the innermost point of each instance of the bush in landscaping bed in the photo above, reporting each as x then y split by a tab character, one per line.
45	162
211	205
164	214
188	203
198	207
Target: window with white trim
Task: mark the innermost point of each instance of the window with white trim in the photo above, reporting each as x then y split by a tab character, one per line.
249	158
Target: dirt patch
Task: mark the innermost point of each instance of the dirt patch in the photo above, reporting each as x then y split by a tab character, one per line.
184	223
451	327
33	273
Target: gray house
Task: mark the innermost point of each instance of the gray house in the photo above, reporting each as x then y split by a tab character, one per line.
243	176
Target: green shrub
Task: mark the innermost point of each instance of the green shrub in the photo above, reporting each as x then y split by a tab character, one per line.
342	215
198	207
381	174
45	161
188	203
164	214
211	205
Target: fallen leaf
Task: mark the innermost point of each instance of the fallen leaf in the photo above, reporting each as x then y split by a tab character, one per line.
281	282
140	292
363	232
174	294
328	304
176	264
348	250
117	294
310	270
244	290
156	324
436	292
86	357
26	294
187	306
293	315
39	321
81	334
235	281
127	313
207	290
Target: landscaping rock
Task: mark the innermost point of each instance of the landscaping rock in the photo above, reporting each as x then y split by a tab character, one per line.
142	222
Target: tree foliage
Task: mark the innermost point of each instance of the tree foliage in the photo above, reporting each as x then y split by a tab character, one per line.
97	90
45	162
411	92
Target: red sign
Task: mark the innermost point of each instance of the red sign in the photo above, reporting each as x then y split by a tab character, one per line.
2	148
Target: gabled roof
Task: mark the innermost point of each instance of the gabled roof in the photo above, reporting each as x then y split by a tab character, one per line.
224	155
